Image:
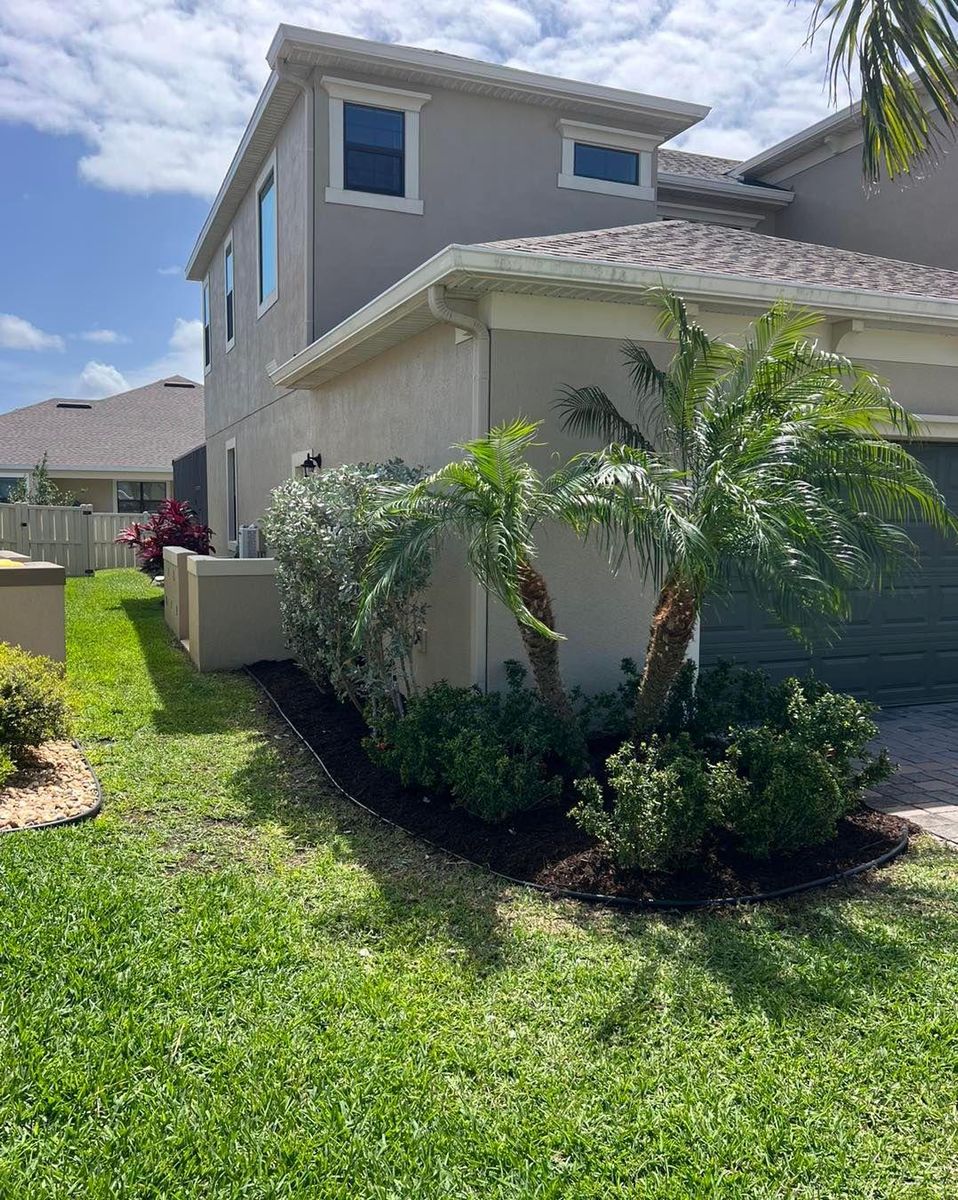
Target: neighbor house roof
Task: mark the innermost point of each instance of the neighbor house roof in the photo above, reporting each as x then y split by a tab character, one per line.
699	166
295	52
143	429
715	265
718	249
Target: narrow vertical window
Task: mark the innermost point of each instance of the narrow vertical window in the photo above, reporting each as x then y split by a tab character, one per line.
231	491
266	228
207	337
228	289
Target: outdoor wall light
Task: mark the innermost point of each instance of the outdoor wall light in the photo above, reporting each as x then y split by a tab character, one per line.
311	463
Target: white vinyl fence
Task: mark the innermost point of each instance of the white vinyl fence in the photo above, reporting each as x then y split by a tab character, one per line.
77	538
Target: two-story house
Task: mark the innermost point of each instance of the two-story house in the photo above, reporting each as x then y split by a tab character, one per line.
410	247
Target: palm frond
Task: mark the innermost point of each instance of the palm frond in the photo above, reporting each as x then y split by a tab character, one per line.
588	412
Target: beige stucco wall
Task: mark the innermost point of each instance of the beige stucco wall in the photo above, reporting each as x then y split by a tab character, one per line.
176	591
100	492
234	616
32	607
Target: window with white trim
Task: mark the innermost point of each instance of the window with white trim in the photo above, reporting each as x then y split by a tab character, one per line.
231	506
267	244
612	162
229	306
136	496
373	146
207	331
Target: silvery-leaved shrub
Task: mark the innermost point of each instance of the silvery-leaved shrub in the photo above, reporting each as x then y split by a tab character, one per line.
320	532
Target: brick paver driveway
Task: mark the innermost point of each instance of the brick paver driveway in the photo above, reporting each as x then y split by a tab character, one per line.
923	740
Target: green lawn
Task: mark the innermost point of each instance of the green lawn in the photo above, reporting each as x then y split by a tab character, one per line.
232	984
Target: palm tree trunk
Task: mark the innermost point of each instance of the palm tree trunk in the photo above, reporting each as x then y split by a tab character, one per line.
672	627
543	652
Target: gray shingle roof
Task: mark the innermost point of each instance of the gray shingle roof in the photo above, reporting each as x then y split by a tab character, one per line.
700	166
693	246
144	429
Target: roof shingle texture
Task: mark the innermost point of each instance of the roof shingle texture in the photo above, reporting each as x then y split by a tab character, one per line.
144	429
718	249
700	166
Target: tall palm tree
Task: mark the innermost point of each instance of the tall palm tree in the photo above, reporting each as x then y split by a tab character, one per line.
493	501
785	480
906	52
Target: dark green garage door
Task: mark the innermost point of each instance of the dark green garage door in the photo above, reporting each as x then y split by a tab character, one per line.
901	646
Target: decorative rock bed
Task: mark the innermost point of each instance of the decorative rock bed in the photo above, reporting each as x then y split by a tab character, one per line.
55	786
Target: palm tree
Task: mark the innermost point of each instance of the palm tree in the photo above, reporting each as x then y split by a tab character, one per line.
785	479
493	500
907	57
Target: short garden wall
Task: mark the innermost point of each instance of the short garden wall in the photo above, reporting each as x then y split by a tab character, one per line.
176	591
233	612
32	607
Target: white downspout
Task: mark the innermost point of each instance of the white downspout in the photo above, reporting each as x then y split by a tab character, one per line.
309	266
481	415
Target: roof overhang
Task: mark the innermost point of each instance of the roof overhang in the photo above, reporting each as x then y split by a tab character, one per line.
727	189
830	135
469	272
297	52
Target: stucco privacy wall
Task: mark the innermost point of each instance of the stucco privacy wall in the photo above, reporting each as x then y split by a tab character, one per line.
488	169
914	222
411	402
237	383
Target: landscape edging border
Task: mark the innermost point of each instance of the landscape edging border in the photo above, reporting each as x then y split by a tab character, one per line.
87	813
559	893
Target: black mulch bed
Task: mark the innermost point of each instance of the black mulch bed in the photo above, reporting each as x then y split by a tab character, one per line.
544	846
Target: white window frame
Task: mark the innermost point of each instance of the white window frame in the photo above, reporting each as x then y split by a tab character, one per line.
207	325
232	494
267	302
408	103
229	250
642	144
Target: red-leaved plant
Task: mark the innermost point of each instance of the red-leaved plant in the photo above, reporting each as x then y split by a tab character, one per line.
173	524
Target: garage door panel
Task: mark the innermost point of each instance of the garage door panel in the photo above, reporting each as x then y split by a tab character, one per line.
901	644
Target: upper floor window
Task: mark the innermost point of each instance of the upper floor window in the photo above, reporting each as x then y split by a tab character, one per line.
374	149
207	333
373	146
266	238
229	307
614	162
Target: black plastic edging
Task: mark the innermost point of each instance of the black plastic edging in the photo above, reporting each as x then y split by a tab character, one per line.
78	817
631	902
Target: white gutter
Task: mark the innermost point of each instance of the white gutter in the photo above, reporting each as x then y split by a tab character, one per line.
608	280
730	188
481	416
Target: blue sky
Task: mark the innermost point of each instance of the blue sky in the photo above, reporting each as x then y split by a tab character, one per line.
120	117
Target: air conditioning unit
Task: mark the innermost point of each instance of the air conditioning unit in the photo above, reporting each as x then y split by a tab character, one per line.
247	541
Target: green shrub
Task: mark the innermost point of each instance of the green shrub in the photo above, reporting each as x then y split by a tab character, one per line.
33	705
660	805
7	766
494	754
320	532
785	796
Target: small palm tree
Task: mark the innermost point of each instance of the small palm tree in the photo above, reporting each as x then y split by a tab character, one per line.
785	480
493	500
906	52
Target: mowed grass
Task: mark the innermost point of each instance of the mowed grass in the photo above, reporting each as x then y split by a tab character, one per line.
233	984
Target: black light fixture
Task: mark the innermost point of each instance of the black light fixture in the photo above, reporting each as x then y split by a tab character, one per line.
311	464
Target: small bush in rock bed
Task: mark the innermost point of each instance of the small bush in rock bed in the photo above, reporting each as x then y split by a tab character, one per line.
492	754
7	766
33	707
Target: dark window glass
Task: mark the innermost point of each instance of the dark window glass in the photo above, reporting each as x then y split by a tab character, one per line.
229	292
599	162
207	340
231	494
6	483
374	142
134	497
267	238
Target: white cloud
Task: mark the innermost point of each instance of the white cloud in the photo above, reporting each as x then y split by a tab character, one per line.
183	356
103	337
16	333
162	90
169	270
100	379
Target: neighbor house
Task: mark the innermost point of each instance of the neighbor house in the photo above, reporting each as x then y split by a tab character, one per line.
410	247
115	454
